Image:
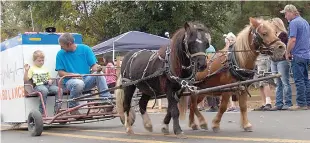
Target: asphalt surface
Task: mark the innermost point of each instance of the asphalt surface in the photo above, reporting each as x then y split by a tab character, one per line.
271	126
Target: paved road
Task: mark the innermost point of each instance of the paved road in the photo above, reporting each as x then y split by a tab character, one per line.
276	126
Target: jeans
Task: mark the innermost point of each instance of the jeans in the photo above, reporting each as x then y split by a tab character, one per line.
45	90
213	101
300	68
283	88
77	86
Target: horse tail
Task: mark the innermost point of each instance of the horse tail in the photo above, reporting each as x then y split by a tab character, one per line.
120	97
183	106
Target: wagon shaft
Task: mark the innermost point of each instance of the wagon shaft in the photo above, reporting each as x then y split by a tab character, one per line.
219	88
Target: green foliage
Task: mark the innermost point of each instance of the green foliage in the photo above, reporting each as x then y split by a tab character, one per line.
98	21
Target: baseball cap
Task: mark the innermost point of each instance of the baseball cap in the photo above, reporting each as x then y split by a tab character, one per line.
289	8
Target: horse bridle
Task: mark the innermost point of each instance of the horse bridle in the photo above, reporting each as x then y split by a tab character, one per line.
188	54
259	42
192	65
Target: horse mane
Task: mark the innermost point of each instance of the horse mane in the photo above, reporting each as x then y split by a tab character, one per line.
242	44
176	51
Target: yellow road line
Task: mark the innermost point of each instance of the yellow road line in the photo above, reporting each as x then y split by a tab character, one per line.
213	137
102	138
189	136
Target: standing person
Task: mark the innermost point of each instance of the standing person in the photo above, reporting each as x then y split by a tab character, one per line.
263	66
40	77
230	39
77	59
201	106
298	49
281	65
213	101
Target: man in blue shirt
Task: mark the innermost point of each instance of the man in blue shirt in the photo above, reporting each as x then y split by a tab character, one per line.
78	59
298	48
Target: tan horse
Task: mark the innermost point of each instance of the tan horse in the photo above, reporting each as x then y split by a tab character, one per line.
255	38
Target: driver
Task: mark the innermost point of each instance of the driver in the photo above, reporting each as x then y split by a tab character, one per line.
77	59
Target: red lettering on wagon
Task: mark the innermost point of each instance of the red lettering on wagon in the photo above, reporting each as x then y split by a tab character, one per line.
14	93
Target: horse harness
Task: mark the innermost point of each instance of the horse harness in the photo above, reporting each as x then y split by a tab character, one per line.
238	73
184	82
232	65
245	74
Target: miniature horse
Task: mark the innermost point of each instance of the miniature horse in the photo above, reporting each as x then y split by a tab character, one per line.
184	56
222	69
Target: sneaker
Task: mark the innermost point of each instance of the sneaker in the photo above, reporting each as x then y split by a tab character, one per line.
276	108
296	108
213	109
201	108
261	108
285	107
267	107
237	109
231	109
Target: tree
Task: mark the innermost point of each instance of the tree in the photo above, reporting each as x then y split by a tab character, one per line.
98	21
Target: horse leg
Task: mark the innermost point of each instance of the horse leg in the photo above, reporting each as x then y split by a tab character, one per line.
165	128
129	91
202	121
246	125
191	117
175	114
146	119
223	106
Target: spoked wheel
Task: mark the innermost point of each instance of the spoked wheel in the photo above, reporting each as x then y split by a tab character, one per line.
133	113
35	123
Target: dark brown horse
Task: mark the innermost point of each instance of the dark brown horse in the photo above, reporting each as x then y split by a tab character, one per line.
179	61
223	68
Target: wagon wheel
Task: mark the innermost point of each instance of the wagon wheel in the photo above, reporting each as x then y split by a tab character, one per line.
133	113
35	123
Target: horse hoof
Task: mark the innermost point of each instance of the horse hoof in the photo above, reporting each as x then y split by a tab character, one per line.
204	126
130	132
149	127
216	129
181	136
194	127
165	131
248	129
